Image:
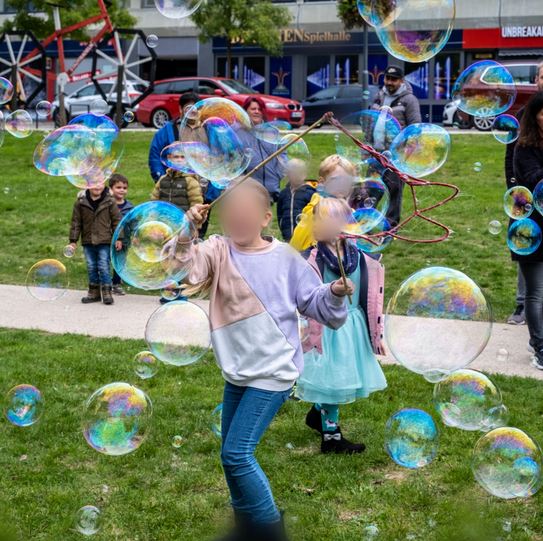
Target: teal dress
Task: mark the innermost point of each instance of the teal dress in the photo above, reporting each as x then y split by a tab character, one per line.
347	369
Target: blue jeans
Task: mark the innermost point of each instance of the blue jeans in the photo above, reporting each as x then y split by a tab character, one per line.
98	263
246	414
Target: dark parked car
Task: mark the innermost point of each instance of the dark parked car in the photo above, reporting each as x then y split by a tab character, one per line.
340	100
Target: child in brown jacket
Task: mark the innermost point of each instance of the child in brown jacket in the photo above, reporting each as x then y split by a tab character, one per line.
180	189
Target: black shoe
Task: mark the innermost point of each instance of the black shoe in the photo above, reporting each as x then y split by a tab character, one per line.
93	294
313	419
334	442
268	532
537	360
240	531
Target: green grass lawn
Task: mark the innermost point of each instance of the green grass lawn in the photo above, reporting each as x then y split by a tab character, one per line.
159	493
35	212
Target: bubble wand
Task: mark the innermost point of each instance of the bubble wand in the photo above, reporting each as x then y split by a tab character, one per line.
342	269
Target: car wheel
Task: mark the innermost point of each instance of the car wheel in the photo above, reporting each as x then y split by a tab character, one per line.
462	122
159	118
483	123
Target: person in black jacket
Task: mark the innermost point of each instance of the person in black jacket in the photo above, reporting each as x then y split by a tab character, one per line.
293	198
528	168
518	317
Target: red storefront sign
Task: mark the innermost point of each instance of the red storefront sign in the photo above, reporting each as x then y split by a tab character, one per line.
507	37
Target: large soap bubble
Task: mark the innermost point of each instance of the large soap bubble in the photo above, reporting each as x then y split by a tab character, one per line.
420	149
298	152
506	129
178	333
370	193
173	156
24	405
419	30
411	438
6	90
438	321
485	89
146	232
507	463
469	400
271	132
518	202
538	197
177	9
370	223
19	124
117	419
379	12
524	237
47	280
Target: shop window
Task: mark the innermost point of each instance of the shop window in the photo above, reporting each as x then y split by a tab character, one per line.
280	76
318	73
417	75
254	69
346	69
523	74
222	68
446	71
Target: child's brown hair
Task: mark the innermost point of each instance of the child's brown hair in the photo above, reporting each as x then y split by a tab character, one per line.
117	178
331	162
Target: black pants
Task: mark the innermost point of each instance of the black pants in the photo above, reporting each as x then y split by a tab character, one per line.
533	304
395	187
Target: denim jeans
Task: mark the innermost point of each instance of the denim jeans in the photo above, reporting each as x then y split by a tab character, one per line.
533	304
98	263
246	414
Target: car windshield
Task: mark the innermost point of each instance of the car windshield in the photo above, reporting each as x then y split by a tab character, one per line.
237	87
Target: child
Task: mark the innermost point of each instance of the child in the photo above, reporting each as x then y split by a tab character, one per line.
340	365
336	179
118	186
293	198
95	217
256	286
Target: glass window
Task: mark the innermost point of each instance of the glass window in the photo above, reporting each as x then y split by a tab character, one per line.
417	75
346	69
351	91
254	68
326	94
161	88
237	87
180	87
89	90
523	74
206	87
446	71
318	73
221	67
148	3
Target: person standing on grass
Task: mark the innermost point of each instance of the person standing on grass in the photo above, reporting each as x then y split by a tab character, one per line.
528	168
94	219
518	317
118	186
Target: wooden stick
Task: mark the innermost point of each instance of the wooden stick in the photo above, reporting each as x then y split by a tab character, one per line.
342	269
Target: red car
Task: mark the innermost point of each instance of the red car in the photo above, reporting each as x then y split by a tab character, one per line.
163	104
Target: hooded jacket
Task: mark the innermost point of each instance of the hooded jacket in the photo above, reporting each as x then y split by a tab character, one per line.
290	205
404	104
178	188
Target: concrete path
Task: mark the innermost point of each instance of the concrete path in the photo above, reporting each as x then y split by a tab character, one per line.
127	319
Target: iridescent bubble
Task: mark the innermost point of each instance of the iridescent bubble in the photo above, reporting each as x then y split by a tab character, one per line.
524	237
303	329
177	9
370	193
24	405
271	132
69	251
129	117
467	399
117	419
2	128
216	150
149	234
19	124
419	30
485	89
372	224
363	221
47	280
43	109
517	202
6	90
370	532
538	197
298	150
145	365
173	156
171	291
88	520
420	149
216	421
379	12
495	227
477	167
99	107
507	463
506	129
178	333
447	312
177	442
411	438
152	41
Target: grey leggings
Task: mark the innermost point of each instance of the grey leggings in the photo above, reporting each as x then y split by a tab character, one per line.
533	306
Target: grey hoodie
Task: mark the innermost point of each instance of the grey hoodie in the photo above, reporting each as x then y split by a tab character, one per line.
405	106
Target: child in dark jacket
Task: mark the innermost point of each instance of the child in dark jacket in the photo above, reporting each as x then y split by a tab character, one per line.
94	218
179	188
293	198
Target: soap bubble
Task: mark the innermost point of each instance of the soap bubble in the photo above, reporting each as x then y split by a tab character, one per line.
69	251
2	128
47	280
468	400
145	365
178	333
129	117
216	421
216	150
152	41
506	462
6	91
271	132
298	151
495	227
370	193
420	149
502	356
363	221
370	532
117	419
370	222
524	237
177	9
506	129
148	232
477	167
24	405
379	12
19	124
447	313
173	156
99	107
518	202
419	30
43	109
485	89
171	291
538	197
88	520
411	438
177	442
303	329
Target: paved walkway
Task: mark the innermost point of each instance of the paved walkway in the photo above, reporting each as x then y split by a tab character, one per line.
127	319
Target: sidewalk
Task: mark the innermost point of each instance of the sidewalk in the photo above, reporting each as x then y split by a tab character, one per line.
128	317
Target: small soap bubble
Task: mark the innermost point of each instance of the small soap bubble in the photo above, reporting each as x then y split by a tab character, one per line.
290	446
477	167
216	421
68	251
177	442
495	227
370	532
152	41
145	365
129	117
99	107
88	520
25	405
43	109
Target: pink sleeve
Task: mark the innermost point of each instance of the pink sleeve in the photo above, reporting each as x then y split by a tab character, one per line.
200	257
376	286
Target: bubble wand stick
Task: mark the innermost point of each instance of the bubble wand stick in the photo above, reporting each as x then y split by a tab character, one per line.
342	268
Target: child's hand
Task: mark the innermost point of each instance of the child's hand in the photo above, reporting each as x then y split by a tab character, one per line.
198	214
340	289
118	245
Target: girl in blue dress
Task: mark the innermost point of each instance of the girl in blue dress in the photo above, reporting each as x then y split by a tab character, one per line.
341	365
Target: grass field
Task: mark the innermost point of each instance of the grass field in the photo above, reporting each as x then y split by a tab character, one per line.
159	493
35	212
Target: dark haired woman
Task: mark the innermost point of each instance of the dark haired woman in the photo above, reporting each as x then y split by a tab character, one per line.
528	172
